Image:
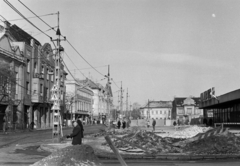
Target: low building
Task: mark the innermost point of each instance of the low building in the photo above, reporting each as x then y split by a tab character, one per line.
157	110
221	109
186	108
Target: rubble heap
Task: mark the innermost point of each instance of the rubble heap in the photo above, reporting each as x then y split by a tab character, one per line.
215	141
78	155
148	142
189	132
216	144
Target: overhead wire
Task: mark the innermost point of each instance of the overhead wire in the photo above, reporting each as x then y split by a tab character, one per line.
63	36
33	17
17	11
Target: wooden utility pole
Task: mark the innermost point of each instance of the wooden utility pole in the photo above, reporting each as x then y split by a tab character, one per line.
56	91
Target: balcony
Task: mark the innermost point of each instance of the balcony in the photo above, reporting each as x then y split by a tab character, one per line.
37	98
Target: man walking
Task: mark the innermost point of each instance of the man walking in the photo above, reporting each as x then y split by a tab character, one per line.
153	124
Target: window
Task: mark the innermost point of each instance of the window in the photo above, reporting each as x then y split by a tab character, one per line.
41	89
47	74
164	112
160	112
35	67
152	112
17	82
47	93
28	65
27	88
189	111
180	111
42	69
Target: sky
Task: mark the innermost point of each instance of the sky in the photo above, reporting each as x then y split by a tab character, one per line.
159	49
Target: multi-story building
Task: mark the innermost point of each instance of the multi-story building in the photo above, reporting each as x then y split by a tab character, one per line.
79	100
37	78
102	100
186	108
157	110
11	83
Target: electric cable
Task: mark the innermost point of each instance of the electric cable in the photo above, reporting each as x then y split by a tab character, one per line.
33	17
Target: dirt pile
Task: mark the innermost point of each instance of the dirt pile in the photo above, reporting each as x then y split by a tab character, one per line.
216	144
146	141
78	155
213	141
189	132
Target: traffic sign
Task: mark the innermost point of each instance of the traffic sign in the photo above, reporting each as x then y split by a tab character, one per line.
54	88
56	106
54	97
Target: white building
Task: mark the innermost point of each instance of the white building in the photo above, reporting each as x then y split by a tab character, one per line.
157	110
79	100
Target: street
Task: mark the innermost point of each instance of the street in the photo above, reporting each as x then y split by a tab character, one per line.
23	148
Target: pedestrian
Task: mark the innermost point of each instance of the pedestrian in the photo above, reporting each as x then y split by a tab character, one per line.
76	134
4	124
124	124
119	124
153	124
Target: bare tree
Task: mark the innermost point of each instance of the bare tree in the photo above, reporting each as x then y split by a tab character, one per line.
7	85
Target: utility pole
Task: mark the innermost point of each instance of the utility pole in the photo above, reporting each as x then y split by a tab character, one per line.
56	92
121	100
108	93
148	113
126	103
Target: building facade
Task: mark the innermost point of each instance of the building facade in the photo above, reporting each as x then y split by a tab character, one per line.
37	78
221	109
186	108
79	99
11	80
157	110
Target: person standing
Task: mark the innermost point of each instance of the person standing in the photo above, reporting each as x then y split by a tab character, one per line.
153	124
76	134
124	124
119	124
4	124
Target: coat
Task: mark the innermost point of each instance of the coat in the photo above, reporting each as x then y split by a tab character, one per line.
76	135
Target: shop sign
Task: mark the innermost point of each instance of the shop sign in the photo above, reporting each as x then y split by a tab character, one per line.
207	95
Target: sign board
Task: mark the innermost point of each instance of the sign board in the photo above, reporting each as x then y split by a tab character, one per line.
54	88
54	97
56	106
208	94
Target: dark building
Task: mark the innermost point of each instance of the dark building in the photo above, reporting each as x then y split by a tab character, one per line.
222	109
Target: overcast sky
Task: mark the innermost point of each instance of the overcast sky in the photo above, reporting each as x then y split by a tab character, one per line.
158	48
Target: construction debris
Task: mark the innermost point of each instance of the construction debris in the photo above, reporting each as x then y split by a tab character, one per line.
204	141
78	155
189	132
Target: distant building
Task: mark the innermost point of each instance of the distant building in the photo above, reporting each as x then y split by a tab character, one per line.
157	110
79	100
186	108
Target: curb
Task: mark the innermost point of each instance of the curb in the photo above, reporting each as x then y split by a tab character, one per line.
169	156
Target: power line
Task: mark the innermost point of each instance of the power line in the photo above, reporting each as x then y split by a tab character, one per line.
74	64
33	17
45	31
91	68
10	5
63	36
84	58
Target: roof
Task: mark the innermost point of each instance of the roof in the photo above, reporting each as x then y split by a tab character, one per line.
21	35
186	100
158	104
